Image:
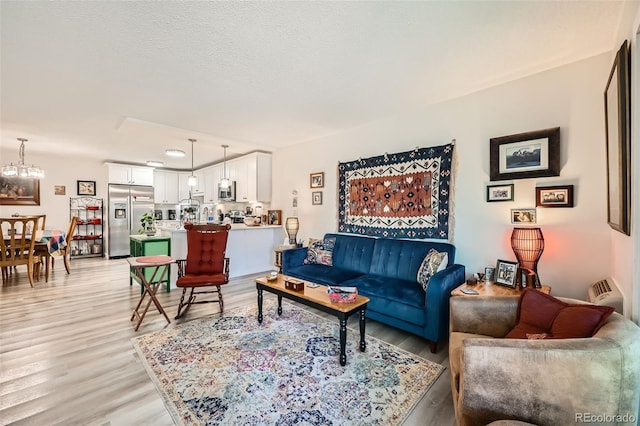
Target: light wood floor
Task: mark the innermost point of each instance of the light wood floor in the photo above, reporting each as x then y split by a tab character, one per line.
66	356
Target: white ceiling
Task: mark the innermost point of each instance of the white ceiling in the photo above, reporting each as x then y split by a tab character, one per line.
123	81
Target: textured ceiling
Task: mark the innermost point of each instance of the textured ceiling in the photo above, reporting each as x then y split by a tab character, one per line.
125	80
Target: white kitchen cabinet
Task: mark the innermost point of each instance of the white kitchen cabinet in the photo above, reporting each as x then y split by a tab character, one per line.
183	184
130	175
212	176
165	187
252	174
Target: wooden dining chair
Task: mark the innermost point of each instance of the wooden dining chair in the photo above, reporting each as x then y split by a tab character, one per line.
206	268
65	252
17	246
41	249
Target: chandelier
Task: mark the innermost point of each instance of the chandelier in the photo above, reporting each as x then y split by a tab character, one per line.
20	170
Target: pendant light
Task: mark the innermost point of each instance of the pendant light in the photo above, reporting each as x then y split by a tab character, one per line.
225	183
20	170
192	180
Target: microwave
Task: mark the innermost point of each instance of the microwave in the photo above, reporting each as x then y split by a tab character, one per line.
227	194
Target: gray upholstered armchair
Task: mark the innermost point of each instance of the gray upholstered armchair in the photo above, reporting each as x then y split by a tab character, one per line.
544	382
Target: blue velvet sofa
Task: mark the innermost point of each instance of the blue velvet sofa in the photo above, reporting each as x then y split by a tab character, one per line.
385	271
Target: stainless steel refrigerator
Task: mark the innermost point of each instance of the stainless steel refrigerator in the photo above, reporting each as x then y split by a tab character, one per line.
127	204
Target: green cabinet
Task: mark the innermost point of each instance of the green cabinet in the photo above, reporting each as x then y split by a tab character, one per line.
142	245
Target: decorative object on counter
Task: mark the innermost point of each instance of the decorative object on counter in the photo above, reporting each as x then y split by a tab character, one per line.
87	187
316	198
17	191
274	217
525	155
499	193
617	115
523	215
252	221
373	194
147	221
292	225
554	196
480	276
225	182
528	245
20	170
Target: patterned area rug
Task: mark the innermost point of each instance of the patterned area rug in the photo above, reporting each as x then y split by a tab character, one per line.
230	370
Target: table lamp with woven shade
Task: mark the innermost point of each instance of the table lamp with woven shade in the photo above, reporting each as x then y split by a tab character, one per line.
292	225
527	244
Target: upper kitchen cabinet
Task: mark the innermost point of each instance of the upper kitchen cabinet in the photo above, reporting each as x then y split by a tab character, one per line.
252	174
165	188
183	185
212	176
130	175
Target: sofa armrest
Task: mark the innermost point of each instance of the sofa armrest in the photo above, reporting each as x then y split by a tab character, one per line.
437	296
545	381
292	258
489	316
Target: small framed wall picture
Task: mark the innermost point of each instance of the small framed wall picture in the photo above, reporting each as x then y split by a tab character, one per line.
317	180
554	196
499	193
523	216
59	189
506	273
87	187
316	198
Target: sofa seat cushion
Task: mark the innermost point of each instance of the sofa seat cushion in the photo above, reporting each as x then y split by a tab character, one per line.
323	274
391	296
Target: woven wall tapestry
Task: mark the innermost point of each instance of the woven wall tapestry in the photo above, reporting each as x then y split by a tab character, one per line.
403	195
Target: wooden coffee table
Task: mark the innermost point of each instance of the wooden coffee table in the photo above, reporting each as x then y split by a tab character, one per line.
316	298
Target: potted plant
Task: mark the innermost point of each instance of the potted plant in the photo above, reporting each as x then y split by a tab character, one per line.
147	221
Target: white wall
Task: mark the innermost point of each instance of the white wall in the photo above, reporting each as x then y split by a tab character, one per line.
59	170
577	239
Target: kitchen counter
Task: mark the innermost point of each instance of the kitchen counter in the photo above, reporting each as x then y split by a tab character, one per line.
249	248
234	227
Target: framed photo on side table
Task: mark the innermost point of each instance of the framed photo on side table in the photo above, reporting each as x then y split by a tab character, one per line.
87	187
506	273
525	155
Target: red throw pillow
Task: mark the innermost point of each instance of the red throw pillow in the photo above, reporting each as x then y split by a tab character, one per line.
540	313
579	321
536	312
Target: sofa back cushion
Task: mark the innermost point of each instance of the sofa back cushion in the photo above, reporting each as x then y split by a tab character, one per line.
401	259
352	252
